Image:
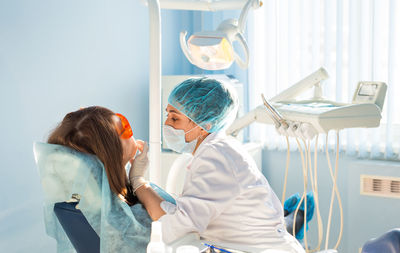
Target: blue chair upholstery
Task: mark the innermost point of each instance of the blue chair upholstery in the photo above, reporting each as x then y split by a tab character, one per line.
80	233
389	242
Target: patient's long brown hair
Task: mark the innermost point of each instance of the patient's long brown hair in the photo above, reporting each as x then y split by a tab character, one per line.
92	130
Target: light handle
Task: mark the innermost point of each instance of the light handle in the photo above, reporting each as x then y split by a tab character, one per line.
242	63
184	47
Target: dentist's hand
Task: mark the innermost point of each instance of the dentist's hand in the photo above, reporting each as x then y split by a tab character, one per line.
139	166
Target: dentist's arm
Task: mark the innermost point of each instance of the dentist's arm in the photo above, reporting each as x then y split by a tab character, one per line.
151	201
146	195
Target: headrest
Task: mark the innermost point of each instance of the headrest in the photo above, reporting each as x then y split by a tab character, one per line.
65	171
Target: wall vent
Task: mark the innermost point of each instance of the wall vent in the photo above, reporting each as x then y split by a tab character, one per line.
380	186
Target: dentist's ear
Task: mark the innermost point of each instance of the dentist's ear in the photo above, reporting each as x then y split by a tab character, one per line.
203	133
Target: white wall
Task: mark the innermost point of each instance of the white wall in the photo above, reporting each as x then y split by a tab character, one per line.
56	56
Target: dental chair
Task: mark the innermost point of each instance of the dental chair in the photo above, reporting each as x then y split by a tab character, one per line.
79	232
101	221
389	242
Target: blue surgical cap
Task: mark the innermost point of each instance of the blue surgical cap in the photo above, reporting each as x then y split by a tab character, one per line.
209	103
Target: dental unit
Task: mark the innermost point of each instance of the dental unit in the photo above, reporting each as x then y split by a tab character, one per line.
304	120
317	115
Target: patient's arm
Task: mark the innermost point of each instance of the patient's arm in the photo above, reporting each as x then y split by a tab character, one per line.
151	201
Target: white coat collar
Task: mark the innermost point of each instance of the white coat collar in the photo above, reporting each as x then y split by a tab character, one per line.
210	138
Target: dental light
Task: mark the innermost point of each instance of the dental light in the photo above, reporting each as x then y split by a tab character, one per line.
213	50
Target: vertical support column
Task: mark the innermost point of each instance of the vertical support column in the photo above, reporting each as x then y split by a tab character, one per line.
155	91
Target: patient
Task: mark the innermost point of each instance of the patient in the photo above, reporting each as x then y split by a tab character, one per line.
99	131
85	138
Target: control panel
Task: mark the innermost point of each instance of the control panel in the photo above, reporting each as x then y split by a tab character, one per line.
370	92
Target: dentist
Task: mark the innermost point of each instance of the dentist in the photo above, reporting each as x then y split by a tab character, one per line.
225	197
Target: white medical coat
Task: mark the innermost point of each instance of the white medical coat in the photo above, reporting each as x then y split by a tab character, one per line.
226	198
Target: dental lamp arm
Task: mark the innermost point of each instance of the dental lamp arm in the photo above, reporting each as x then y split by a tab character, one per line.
209	5
241	27
243	15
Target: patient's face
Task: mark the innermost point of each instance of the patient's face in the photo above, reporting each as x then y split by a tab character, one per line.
129	146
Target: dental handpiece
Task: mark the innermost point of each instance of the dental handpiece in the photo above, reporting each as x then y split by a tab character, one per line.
275	115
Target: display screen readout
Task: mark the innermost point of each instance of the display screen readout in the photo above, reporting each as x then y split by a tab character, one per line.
368	89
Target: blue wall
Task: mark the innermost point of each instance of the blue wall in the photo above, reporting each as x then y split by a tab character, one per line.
56	56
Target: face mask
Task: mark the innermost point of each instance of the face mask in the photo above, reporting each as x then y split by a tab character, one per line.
175	139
